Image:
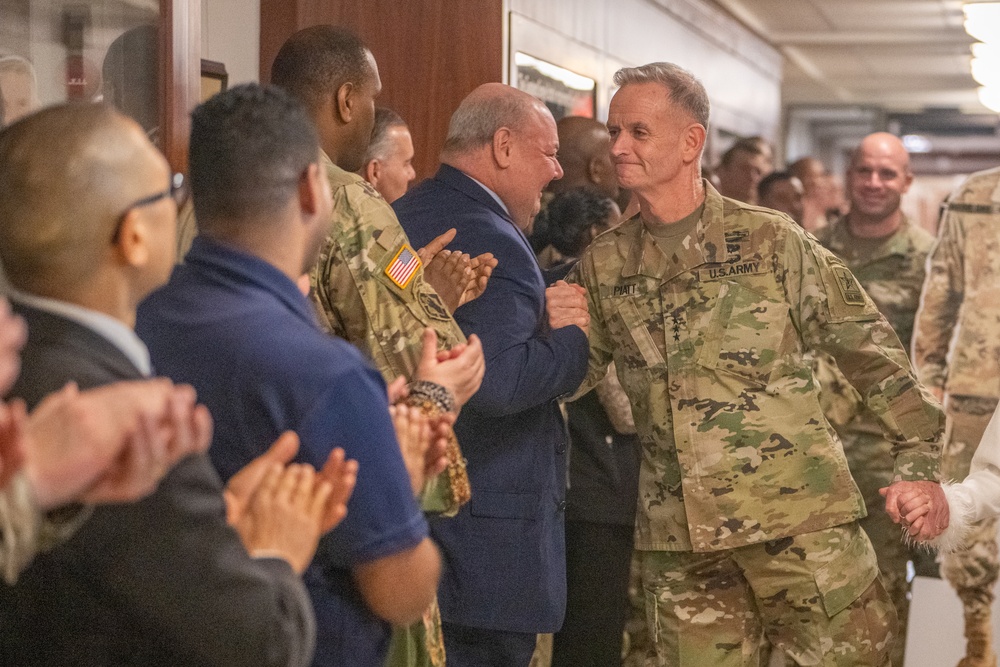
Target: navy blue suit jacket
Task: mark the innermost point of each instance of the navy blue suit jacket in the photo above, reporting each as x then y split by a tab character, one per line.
504	553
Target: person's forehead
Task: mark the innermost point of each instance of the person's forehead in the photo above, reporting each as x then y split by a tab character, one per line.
400	137
879	157
541	127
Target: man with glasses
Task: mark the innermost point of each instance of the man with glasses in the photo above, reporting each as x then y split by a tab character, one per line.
162	581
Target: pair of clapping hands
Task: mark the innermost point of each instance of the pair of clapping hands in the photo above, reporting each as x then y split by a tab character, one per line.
455	276
115	443
423	438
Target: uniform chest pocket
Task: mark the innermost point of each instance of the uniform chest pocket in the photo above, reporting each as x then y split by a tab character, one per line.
637	331
747	336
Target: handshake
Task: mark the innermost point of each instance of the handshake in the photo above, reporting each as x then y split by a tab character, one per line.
566	305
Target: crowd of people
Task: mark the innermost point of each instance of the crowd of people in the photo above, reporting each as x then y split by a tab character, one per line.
423	426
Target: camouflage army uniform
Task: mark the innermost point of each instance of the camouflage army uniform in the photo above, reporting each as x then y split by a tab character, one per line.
956	348
358	301
891	270
743	482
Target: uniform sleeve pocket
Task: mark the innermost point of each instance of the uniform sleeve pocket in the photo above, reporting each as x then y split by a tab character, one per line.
501	505
638	332
846	577
747	336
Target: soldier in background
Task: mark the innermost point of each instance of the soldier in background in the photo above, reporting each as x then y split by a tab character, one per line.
742	167
783	192
388	163
747	514
956	350
371	287
816	183
585	158
886	253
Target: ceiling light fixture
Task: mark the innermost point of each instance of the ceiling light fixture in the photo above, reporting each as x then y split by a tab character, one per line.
990	98
982	20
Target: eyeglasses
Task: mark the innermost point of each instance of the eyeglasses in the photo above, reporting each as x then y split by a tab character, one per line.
177	191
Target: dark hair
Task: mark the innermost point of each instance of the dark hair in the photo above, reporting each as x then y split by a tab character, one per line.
750	145
565	221
378	147
317	61
770	181
249	147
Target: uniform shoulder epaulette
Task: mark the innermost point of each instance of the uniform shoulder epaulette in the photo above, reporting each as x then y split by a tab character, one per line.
964	207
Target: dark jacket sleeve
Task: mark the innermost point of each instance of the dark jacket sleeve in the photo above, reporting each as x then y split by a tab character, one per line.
191	583
527	363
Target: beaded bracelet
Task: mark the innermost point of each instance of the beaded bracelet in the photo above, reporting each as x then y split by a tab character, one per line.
437	394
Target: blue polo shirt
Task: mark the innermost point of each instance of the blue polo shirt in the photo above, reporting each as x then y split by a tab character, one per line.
242	334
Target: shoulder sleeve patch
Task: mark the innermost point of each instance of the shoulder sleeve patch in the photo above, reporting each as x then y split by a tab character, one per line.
403	266
846	299
850	289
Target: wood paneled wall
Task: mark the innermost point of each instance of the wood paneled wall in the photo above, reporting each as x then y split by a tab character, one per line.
430	53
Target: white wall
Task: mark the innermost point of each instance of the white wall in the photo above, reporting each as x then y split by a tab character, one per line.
741	72
230	34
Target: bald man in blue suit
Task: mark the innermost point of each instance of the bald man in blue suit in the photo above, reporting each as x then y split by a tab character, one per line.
505	570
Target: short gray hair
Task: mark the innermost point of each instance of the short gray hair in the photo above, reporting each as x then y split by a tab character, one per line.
385	120
478	118
685	90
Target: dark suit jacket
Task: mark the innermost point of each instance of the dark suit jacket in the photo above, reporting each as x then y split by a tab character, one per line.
163	581
504	553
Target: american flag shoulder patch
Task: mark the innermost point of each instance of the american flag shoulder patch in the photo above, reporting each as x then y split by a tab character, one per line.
403	266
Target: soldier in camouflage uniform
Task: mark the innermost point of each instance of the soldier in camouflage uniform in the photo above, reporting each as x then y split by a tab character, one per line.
747	512
886	253
956	350
370	286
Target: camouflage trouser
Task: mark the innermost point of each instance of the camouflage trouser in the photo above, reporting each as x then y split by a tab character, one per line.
870	460
817	596
972	573
638	645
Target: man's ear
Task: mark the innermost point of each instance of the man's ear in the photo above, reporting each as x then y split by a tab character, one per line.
693	142
343	103
311	189
595	170
503	144
132	244
373	171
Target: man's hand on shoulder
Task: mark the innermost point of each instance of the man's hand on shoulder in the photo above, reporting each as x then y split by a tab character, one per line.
566	305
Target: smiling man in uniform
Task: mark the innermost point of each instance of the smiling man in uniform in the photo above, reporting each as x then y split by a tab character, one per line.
747	515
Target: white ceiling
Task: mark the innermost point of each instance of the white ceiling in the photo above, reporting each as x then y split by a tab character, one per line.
900	55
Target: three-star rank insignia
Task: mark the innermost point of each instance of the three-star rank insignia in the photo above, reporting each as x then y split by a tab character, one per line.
403	266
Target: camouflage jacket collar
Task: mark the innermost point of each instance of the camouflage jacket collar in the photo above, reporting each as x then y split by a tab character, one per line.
339	178
840	242
704	245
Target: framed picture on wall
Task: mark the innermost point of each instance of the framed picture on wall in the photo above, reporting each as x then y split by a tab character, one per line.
564	92
214	78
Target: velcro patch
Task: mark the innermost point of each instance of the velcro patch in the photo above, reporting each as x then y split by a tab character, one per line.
619	291
716	271
850	289
403	267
